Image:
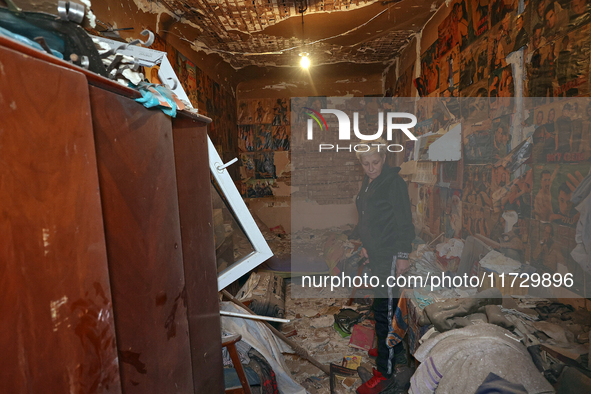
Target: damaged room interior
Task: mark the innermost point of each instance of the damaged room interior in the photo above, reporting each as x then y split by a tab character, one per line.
295	196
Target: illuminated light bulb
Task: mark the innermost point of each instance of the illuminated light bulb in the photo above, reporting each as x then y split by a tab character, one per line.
305	62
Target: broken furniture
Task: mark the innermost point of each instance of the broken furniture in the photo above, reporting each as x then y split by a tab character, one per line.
109	277
298	349
230	343
258	336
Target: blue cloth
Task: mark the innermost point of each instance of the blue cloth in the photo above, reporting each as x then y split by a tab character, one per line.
26	41
494	384
423	300
150	100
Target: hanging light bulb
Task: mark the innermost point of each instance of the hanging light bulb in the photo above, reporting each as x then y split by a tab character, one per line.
304	62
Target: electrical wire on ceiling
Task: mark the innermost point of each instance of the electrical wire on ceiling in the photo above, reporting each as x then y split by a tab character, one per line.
286	49
305	61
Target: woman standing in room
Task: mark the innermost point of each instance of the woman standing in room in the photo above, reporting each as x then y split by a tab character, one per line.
386	230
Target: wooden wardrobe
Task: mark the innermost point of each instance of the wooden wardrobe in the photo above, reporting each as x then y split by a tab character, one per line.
108	280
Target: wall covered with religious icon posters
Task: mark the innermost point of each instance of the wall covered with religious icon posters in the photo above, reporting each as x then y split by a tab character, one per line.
264	139
521	160
562	131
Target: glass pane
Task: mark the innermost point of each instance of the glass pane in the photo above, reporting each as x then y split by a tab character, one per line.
231	244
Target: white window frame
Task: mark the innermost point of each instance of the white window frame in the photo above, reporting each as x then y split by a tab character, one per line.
261	252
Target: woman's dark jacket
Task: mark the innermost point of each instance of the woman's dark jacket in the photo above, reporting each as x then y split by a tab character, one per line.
385	220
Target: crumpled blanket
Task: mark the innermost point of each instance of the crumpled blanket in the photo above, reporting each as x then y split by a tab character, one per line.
448	314
458	361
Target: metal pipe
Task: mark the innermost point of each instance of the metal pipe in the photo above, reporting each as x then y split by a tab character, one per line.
254	317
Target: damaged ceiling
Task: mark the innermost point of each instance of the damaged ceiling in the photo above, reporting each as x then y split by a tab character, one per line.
271	32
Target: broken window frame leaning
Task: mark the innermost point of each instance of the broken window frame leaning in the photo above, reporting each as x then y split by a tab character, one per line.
262	252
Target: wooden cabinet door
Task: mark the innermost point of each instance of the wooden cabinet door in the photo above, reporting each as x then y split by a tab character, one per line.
56	317
141	213
193	178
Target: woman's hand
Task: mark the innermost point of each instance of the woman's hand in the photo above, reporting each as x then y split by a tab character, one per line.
364	253
402	266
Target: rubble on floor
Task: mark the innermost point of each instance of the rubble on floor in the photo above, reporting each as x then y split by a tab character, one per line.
544	335
310	318
558	332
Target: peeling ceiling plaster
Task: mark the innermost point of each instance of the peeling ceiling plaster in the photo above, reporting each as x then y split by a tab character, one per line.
282	86
254	15
238	30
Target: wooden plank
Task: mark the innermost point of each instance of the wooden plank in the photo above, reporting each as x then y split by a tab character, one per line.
57	333
140	207
190	115
193	179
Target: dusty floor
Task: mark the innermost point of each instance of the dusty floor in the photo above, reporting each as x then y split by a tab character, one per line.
312	318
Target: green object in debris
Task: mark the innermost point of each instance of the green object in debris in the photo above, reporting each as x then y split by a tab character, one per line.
341	332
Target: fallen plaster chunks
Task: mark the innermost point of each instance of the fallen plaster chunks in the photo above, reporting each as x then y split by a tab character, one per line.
313	319
316	343
333	357
321	322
